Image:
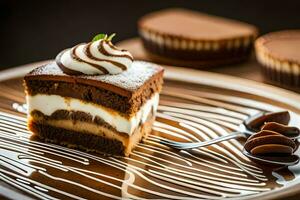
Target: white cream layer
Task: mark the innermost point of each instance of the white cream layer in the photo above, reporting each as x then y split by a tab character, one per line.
48	104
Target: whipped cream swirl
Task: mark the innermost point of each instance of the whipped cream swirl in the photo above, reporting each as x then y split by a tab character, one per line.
94	58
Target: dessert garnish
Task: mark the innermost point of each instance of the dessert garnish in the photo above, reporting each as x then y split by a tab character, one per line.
97	57
269	142
288	131
271	139
274	140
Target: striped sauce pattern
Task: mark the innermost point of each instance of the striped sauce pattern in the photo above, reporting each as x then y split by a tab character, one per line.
153	171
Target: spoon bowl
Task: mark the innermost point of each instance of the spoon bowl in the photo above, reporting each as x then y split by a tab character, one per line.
273	160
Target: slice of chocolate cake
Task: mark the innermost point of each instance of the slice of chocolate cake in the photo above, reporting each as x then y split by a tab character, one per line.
94	97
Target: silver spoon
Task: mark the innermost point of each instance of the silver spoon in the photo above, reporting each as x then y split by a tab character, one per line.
246	129
242	133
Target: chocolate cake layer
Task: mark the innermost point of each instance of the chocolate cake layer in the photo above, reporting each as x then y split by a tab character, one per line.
85	141
88	89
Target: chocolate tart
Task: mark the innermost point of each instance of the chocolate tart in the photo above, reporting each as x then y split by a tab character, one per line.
279	56
199	38
108	113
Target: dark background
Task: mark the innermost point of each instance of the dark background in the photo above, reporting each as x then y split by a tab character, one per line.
37	30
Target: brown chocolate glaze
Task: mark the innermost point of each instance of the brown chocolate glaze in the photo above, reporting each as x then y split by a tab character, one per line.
129	83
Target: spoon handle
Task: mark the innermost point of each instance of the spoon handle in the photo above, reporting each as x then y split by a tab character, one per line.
232	135
192	145
296	138
216	140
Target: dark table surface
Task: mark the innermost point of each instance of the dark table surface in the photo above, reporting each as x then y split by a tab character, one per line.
34	30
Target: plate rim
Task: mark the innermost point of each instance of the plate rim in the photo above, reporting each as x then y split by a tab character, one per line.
211	79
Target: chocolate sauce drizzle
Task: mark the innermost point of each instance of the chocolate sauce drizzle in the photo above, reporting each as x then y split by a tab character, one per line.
153	171
102	49
76	57
89	54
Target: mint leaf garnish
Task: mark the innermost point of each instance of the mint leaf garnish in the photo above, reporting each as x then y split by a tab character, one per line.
111	36
103	36
99	37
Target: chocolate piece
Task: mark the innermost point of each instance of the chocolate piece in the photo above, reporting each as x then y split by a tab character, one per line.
272	149
256	122
188	35
278	54
269	142
288	131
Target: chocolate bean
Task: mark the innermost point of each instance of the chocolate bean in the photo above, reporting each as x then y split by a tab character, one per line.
256	122
272	149
269	142
288	131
